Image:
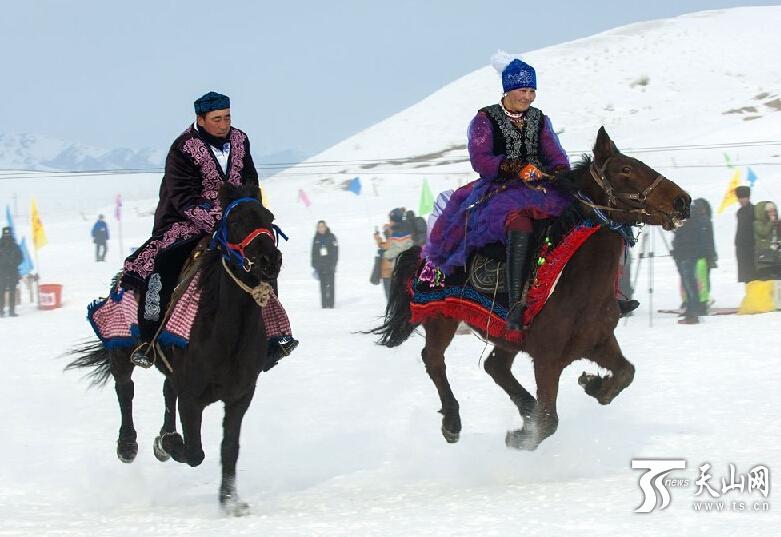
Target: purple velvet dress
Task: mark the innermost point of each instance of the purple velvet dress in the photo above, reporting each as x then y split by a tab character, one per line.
477	212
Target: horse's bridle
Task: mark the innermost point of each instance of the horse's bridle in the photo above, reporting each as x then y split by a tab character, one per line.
612	197
232	252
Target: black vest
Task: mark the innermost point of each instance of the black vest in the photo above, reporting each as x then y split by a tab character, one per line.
515	143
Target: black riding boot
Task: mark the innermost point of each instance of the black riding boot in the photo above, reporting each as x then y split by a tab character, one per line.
516	270
626	307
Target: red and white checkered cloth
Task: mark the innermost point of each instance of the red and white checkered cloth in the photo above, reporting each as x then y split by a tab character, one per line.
275	318
113	319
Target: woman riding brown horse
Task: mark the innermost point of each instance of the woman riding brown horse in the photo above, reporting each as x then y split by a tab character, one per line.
579	318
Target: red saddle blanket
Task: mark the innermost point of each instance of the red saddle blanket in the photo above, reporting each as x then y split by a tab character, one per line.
453	296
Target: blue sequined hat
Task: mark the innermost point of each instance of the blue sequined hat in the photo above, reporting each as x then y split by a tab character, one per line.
518	74
210	102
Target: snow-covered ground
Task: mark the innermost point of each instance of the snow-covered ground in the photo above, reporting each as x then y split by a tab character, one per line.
343	437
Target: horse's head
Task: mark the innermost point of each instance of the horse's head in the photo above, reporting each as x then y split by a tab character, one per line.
632	191
246	233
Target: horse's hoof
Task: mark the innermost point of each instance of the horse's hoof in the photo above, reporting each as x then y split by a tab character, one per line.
233	506
451	425
160	453
195	458
592	384
521	439
450	437
127	451
171	445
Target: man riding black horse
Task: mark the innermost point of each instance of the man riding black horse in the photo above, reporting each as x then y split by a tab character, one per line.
206	155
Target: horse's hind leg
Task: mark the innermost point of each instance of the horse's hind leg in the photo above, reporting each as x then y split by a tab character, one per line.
498	365
122	370
439	334
231	430
544	419
607	354
169	443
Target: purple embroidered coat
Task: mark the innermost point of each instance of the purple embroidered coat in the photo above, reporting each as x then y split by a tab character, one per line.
189	206
476	214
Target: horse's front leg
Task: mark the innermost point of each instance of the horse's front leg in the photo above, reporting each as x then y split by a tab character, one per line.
169	443
231	430
607	354
122	370
544	418
191	414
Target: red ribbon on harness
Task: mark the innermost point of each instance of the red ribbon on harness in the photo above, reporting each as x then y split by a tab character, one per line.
251	237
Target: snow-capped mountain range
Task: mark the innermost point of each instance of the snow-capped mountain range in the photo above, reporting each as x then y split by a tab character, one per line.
32	152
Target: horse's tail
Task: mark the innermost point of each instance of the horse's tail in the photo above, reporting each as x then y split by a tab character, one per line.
397	326
92	355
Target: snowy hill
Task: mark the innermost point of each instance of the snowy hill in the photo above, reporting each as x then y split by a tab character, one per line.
701	79
343	436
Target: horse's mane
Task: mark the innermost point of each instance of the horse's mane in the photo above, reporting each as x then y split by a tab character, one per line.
569	180
211	267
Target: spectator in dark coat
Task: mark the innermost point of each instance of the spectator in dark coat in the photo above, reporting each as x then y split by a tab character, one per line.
704	216
417	227
744	236
325	255
689	245
100	238
10	259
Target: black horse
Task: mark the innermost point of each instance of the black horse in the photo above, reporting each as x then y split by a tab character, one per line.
226	351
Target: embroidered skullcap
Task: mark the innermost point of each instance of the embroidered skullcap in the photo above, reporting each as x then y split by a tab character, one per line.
743	191
210	102
514	71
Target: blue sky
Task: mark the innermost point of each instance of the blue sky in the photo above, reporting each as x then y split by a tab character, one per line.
301	74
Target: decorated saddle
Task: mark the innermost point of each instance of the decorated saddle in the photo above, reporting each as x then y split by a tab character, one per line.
476	294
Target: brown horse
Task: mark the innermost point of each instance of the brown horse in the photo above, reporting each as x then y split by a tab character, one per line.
580	317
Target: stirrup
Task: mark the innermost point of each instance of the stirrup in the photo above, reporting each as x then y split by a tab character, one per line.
140	358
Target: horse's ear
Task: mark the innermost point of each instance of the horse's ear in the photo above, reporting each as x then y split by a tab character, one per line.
604	147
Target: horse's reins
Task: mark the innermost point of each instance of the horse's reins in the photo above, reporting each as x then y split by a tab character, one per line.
234	252
260	293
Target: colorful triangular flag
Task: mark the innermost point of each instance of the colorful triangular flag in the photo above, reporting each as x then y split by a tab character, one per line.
729	195
26	266
751	177
303	198
426	204
39	234
355	186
